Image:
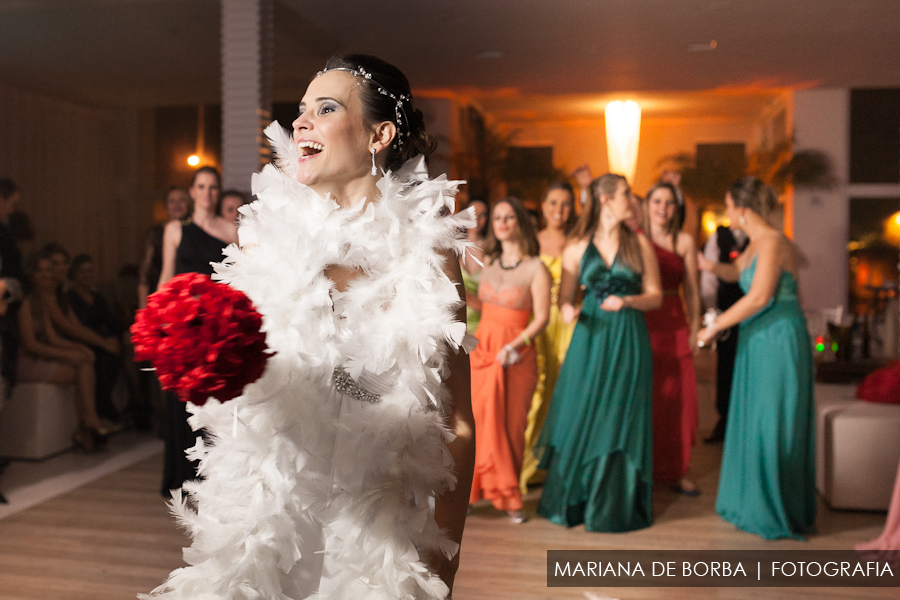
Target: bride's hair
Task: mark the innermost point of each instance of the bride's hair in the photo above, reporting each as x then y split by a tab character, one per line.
374	73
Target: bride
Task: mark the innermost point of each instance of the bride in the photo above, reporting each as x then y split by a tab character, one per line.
344	472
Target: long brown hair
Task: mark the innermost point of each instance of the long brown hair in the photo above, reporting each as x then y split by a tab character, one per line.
35	299
528	243
629	246
674	224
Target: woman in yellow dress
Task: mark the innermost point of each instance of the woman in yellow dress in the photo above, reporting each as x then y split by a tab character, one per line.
557	207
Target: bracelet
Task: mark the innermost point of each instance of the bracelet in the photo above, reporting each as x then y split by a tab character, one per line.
527	339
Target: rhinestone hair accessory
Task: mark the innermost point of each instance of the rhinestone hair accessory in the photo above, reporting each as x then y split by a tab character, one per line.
399	110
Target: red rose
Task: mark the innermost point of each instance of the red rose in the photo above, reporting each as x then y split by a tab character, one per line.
202	337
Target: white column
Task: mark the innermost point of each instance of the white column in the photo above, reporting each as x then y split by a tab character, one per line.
822	217
247	48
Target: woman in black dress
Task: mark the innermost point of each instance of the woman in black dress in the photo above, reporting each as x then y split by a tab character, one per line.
191	246
92	311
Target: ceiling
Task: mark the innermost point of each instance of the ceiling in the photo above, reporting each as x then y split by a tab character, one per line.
526	57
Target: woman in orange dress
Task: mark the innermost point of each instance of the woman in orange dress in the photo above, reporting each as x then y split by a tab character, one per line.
514	289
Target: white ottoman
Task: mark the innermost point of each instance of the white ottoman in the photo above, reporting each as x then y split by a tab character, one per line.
858	449
829	398
38	421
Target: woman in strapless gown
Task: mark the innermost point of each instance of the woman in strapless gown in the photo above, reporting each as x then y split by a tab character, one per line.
191	245
557	208
767	482
515	304
344	471
672	337
596	444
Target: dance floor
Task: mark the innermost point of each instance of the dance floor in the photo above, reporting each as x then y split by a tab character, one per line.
112	537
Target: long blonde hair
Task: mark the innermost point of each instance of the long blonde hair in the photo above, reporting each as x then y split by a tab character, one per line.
629	246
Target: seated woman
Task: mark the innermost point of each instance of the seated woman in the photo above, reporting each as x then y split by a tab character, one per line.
92	311
46	357
66	322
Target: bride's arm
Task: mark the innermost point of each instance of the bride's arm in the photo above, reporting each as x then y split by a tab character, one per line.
451	507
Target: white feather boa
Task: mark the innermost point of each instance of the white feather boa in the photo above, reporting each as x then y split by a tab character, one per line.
306	492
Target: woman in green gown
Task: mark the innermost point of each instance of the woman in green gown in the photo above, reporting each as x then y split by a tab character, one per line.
470	263
767	483
596	444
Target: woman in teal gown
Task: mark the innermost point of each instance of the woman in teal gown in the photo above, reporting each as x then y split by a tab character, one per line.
767	483
596	444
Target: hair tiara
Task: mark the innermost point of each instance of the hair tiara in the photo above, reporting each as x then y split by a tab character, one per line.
399	111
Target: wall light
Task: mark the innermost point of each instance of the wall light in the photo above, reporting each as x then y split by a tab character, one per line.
710	220
623	133
892	228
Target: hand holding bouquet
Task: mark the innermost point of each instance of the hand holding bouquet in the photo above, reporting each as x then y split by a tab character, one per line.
202	337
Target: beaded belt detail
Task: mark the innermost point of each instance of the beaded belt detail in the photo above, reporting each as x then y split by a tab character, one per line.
343	382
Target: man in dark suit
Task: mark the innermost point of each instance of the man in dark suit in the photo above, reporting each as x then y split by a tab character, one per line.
723	246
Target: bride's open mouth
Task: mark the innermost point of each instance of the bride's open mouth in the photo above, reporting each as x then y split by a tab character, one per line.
308	149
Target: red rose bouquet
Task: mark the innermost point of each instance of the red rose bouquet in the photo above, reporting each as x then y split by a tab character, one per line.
202	337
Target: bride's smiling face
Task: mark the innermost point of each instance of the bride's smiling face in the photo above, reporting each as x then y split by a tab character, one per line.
331	134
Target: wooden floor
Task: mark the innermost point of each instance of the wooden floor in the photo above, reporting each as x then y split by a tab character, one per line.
114	538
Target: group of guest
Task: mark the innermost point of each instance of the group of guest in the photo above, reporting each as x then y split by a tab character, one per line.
57	328
621	415
179	204
56	346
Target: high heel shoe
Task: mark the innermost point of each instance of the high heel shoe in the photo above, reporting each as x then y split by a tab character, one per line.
84	440
517	517
101	436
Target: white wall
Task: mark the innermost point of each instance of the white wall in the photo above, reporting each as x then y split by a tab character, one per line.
822	217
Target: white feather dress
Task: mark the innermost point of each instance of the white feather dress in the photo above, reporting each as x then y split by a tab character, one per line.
307	491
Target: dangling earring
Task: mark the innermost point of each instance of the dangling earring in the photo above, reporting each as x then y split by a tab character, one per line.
374	169
742	221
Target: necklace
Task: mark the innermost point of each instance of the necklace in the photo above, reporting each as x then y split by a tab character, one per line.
506	267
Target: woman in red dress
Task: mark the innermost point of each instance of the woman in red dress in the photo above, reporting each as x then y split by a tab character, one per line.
515	297
672	339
